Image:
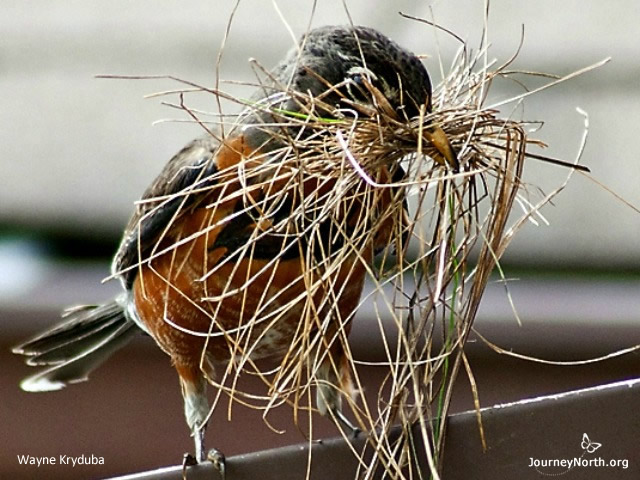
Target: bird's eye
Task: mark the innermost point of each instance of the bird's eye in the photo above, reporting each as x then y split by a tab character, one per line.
357	74
355	83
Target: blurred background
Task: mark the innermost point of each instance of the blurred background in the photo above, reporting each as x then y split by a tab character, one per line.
78	151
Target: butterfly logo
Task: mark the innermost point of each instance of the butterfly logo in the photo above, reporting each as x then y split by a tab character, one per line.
588	445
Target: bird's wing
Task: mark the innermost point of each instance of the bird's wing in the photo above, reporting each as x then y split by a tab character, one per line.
172	192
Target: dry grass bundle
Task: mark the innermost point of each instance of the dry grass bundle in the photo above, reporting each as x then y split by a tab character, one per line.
335	192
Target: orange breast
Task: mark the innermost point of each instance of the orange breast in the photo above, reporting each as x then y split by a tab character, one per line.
246	305
195	296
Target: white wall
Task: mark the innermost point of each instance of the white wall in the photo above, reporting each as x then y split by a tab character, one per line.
77	151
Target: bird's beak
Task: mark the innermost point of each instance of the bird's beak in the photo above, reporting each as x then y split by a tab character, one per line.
445	154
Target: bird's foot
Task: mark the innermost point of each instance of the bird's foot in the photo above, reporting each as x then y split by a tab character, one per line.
188	460
352	431
217	458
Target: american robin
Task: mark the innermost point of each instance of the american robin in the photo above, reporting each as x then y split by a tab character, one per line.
203	257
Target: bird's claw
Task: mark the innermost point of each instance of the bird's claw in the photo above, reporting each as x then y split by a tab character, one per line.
188	460
354	432
217	458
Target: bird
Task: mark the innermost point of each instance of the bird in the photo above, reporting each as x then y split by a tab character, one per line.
198	252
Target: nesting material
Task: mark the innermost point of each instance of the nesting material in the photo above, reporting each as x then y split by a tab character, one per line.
362	178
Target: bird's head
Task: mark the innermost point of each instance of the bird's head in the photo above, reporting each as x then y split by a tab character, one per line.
340	64
350	56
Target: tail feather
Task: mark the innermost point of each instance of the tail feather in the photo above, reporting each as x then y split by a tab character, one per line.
82	327
77	346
